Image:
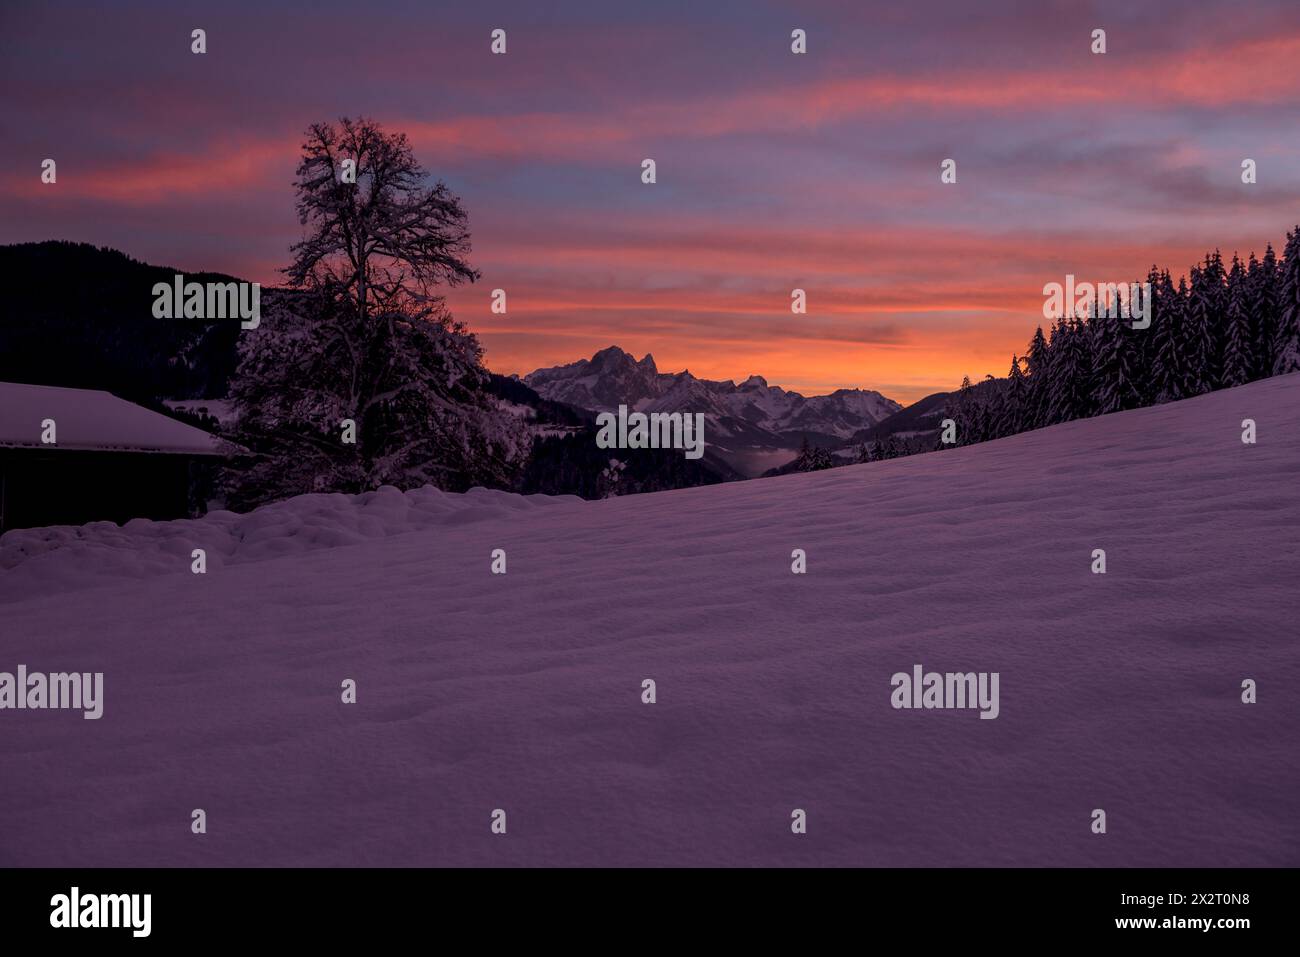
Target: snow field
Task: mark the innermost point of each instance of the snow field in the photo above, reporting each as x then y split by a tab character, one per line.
522	691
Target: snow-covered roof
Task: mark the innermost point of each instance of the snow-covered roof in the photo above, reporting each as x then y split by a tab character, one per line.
89	419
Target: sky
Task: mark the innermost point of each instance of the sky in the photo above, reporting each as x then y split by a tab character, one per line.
775	171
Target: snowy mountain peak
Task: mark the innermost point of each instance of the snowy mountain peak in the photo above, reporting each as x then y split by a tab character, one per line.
750	415
610	359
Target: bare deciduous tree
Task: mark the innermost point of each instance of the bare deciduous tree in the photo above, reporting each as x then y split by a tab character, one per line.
387	239
367	337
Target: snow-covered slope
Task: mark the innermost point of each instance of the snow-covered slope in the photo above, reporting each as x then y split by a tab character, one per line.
82	557
752	414
523	691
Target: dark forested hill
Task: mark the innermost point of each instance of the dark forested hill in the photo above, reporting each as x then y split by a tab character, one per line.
81	316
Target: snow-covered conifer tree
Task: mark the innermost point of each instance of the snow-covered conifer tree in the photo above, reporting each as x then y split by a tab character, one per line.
1238	359
1165	373
1207	326
1037	362
1287	348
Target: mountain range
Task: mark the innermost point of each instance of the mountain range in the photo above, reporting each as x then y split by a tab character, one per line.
93	335
752	425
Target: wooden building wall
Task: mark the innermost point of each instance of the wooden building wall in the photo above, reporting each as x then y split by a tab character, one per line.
66	487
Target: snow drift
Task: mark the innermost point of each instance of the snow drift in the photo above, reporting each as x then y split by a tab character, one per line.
523	691
80	557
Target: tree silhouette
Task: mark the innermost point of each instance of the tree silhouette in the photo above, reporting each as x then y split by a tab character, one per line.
1238	360
367	337
1287	341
